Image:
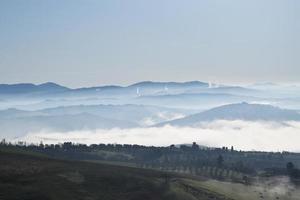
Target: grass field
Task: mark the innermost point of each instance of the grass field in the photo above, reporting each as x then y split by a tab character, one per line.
30	177
26	176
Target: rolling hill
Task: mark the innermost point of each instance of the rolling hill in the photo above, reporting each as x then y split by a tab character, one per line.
239	111
26	88
33	177
20	126
140	88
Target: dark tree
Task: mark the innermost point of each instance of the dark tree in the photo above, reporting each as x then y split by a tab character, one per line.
290	167
232	149
195	146
220	161
292	171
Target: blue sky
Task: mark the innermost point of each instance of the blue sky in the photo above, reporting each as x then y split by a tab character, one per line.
84	43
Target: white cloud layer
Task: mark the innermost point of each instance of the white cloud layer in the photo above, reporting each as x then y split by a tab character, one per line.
263	136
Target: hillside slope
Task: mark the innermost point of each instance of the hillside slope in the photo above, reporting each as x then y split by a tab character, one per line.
240	111
30	177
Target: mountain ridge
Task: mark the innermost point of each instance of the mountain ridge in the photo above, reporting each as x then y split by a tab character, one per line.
30	88
238	111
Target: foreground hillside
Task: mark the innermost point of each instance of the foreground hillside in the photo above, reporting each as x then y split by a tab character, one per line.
33	177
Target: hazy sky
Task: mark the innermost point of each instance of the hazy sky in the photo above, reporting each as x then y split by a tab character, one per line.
83	43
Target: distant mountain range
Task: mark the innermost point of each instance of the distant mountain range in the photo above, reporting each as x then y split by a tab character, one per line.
240	111
14	122
27	108
22	88
169	85
63	123
188	95
195	95
140	88
200	101
139	114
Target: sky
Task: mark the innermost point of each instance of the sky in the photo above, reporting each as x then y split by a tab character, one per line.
87	42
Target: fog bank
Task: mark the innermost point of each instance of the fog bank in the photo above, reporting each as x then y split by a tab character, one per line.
244	135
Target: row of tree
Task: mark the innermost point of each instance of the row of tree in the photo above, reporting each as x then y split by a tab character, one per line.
171	157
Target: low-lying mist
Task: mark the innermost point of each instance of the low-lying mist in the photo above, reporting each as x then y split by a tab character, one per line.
244	135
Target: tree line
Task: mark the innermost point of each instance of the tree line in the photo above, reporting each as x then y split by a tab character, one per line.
194	159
